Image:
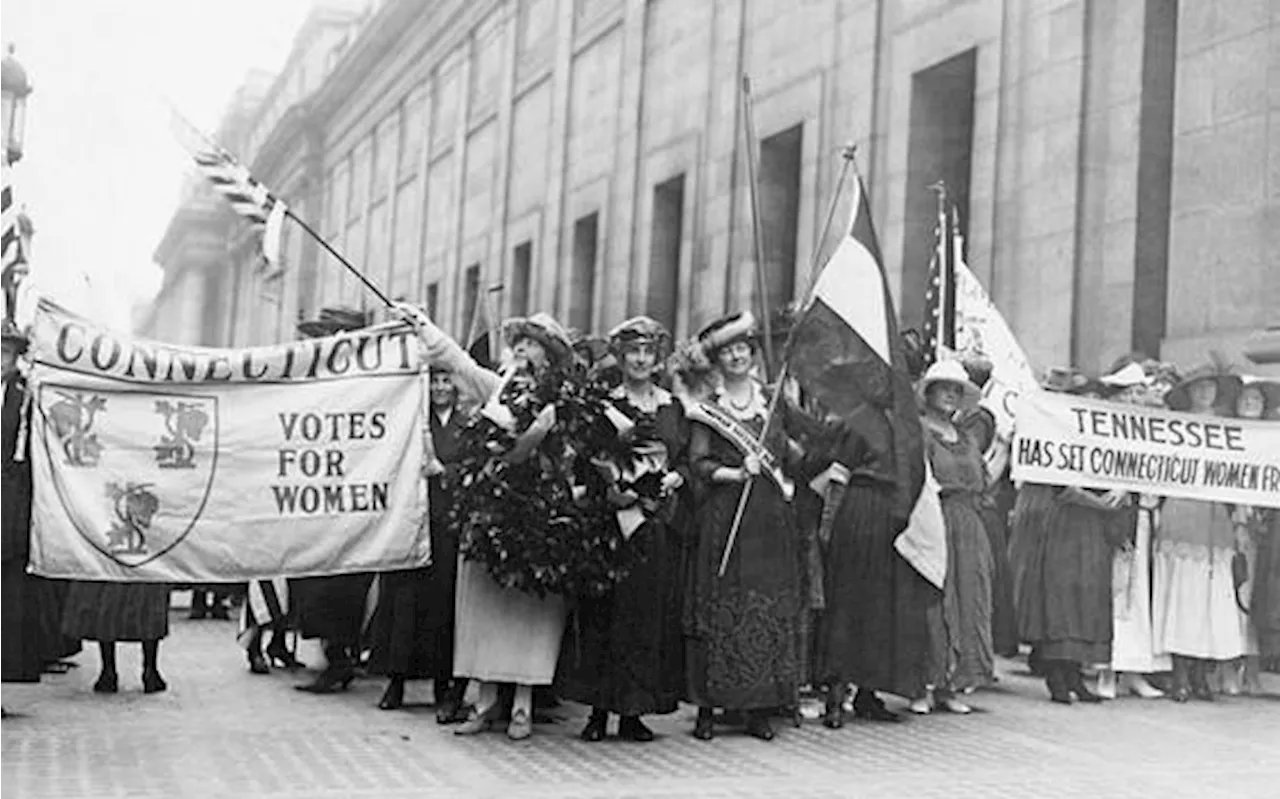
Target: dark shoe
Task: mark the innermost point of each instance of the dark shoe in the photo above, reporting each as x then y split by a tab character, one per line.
631	728
704	729
833	716
1181	690
220	612
330	681
758	727
596	727
393	697
258	664
108	683
869	707
1055	680
152	682
1200	682
449	695
1075	681
281	657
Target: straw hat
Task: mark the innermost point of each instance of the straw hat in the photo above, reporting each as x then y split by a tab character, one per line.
950	372
543	329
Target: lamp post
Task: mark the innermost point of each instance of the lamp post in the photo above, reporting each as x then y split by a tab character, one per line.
14	88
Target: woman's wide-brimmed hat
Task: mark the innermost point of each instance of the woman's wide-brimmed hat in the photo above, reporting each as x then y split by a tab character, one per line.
543	329
1065	380
949	371
14	338
332	321
1179	397
640	330
1270	388
726	330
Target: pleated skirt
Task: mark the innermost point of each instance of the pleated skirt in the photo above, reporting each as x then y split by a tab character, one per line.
103	611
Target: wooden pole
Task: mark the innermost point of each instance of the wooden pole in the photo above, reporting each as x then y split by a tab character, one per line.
762	288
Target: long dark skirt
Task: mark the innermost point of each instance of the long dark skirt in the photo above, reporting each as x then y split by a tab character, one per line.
623	652
1063	563
412	629
1265	608
331	608
740	629
51	598
20	661
874	632
103	611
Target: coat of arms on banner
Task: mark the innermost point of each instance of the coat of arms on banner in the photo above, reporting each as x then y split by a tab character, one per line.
148	458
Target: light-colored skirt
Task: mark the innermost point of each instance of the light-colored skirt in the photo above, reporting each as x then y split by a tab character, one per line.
504	635
1133	642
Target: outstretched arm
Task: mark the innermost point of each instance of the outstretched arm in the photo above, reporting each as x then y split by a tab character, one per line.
438	349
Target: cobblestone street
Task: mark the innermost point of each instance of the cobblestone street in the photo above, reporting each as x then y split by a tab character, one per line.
222	732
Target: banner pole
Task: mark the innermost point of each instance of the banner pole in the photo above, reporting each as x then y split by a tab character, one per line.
753	185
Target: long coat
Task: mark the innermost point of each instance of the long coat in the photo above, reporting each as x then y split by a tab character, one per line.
20	622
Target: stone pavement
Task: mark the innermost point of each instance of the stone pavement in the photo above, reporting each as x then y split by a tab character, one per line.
222	732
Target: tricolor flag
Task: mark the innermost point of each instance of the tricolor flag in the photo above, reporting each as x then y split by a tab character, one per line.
847	356
246	194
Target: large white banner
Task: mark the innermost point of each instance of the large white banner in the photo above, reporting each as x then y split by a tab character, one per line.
1067	440
154	462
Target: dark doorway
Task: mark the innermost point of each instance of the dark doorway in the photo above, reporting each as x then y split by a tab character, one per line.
665	236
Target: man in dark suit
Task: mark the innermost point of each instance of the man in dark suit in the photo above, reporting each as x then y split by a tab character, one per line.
413	626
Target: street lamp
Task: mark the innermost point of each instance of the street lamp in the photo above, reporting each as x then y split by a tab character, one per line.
14	88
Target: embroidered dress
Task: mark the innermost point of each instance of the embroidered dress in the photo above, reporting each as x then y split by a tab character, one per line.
741	636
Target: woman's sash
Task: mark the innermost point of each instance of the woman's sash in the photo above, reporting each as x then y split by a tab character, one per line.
733	431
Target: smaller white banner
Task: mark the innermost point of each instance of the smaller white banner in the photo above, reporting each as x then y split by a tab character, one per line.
1066	440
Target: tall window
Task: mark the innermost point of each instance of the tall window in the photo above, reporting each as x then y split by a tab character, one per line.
665	235
469	324
582	282
521	275
939	147
780	158
433	300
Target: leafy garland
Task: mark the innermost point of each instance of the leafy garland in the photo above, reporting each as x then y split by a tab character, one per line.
524	521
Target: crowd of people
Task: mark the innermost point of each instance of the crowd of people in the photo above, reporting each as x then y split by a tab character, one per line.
745	553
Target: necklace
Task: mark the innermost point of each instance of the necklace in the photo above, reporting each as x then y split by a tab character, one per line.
741	407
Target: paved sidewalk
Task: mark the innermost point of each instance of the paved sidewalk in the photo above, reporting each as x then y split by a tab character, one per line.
222	732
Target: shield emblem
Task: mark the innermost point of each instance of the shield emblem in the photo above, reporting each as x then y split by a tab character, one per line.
133	469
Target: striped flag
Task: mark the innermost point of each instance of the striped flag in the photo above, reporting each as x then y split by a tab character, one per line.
846	354
940	296
15	228
267	601
247	195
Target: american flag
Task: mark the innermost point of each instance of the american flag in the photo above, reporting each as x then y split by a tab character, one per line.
15	230
940	296
246	194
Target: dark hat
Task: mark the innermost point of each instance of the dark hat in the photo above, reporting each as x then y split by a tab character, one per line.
726	330
1218	371
543	329
13	337
1270	388
1066	380
640	330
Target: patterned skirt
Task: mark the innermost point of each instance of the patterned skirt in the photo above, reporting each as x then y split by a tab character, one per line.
102	611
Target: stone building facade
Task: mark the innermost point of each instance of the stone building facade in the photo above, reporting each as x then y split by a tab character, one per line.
1115	165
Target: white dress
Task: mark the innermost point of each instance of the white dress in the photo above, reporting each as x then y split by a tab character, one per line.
1133	646
500	634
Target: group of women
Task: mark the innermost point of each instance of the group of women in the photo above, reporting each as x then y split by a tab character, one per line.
1136	585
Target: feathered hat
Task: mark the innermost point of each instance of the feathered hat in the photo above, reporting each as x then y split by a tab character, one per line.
543	329
727	330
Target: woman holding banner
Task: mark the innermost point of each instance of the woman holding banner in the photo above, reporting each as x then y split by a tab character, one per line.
1264	607
741	625
961	653
1196	618
1251	529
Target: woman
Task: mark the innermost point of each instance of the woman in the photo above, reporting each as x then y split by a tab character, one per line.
623	654
412	635
741	625
1063	561
1250	522
110	612
501	634
870	592
1196	618
1133	653
1264	605
961	653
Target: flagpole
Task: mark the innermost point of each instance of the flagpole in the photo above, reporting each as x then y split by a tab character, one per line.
749	130
377	292
847	154
495	317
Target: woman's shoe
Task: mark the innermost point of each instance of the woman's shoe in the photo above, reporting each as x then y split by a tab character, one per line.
1138	686
393	697
758	727
1200	680
282	657
1106	684
953	705
1055	680
595	729
869	707
477	721
108	683
330	681
631	728
704	729
152	682
449	709
922	706
1075	682
521	725
1229	676
258	664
